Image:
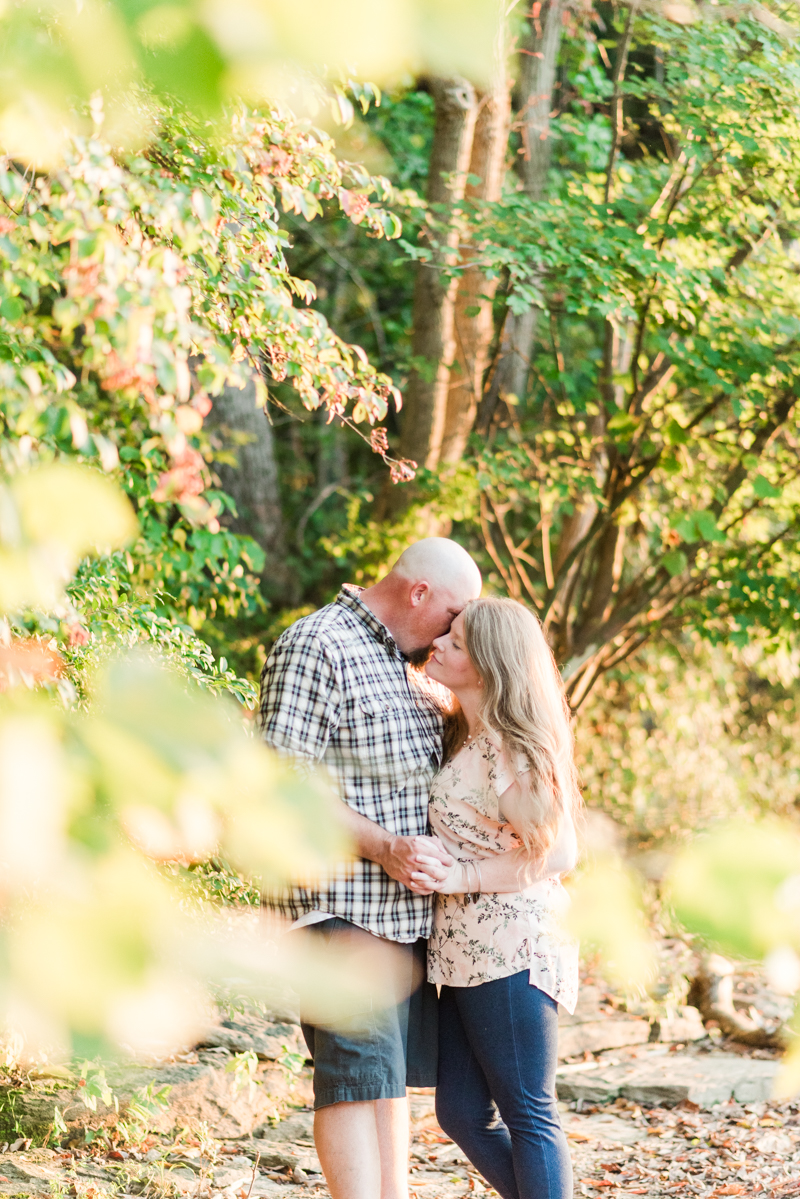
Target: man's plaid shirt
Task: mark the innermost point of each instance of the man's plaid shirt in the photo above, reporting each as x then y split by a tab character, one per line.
337	690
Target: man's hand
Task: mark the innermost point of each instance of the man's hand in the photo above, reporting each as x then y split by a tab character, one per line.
402	857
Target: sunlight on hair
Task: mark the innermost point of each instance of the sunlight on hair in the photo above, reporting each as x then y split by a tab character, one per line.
524	704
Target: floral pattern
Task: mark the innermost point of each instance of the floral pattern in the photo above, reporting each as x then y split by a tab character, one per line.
483	936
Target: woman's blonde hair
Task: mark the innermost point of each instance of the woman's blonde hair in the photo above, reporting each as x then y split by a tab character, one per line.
524	704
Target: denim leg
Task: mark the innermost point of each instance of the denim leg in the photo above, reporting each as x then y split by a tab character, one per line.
464	1105
512	1028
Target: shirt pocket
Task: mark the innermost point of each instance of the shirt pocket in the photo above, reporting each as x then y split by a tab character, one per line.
375	709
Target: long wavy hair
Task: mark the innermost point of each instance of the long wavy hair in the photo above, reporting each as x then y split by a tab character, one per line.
523	704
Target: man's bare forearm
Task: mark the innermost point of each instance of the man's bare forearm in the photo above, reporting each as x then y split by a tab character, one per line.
369	839
398	856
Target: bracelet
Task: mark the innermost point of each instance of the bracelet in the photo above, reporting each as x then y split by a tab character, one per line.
472	893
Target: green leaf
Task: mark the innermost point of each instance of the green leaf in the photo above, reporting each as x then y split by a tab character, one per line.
707	528
12	308
622	425
66	313
675	434
684	526
764	489
675	562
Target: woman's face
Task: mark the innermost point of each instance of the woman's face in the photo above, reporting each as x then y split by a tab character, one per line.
450	663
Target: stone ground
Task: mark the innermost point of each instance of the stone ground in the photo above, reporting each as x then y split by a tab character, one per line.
651	1117
618	1148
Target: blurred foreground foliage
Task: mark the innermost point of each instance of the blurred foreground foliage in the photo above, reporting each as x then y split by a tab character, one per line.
57	55
103	945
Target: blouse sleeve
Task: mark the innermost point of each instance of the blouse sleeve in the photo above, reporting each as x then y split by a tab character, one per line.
502	778
564	851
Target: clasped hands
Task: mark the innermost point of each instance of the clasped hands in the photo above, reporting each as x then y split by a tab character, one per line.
423	865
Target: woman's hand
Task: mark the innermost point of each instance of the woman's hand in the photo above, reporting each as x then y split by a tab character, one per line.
435	876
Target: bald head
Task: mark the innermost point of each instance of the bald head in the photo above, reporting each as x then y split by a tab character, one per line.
442	563
423	593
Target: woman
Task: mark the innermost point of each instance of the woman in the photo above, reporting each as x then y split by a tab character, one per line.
503	804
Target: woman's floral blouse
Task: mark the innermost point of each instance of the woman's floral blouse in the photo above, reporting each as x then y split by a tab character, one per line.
486	936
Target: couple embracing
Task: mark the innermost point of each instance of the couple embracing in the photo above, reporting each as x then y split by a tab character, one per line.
441	719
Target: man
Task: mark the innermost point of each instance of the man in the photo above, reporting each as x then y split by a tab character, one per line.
337	689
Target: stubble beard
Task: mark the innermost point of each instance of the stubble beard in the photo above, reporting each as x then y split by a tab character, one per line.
420	657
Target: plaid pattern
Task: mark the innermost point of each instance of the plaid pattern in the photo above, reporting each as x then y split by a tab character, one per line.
337	690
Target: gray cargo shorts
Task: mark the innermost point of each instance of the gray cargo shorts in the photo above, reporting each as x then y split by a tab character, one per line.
384	1050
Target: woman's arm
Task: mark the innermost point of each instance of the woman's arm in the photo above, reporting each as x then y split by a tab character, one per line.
501	873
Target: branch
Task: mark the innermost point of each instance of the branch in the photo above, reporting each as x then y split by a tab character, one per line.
488	540
521	573
361	284
617	128
739	473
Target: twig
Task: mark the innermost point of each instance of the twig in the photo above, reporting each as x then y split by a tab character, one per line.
361	284
311	509
255	1171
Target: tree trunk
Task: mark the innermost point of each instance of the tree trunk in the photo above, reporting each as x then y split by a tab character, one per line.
433	342
253	482
474	325
539	60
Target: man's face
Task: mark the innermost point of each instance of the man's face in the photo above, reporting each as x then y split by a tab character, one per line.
432	618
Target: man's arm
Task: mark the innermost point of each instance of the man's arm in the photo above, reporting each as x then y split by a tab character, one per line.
400	857
300	698
299	710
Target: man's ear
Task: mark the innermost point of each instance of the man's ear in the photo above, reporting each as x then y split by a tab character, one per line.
419	592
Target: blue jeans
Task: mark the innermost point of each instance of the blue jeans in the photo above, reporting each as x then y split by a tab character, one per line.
496	1092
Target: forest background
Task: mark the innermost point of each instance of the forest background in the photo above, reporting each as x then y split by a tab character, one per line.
571	247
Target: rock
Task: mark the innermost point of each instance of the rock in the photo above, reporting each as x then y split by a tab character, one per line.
604	1126
776	1143
297	1126
235	1177
184	1180
685	1025
26	1177
666	1081
609	1032
199	1092
250	1032
595	1027
278	1155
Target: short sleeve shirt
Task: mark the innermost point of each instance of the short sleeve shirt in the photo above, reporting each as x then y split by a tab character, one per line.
337	691
480	937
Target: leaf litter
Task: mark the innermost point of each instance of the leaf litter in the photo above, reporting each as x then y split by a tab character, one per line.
617	1149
